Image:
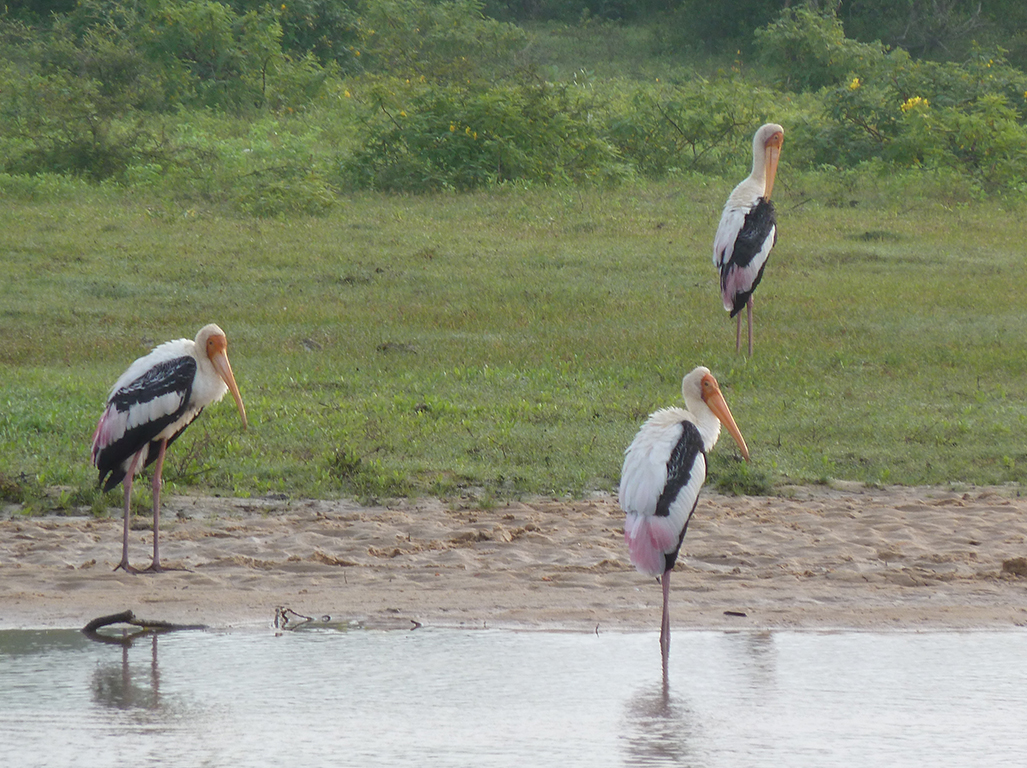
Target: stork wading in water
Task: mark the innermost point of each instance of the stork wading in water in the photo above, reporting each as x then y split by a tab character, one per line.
664	470
148	408
748	229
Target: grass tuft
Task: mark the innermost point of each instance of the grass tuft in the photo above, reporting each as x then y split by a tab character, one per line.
740	479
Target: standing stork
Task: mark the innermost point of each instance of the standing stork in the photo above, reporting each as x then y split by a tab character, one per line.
748	229
664	470
149	407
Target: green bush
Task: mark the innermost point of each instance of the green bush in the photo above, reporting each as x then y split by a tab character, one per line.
211	56
695	126
105	52
808	50
57	123
878	105
425	137
278	193
984	140
725	25
448	40
40	187
181	52
325	29
270	167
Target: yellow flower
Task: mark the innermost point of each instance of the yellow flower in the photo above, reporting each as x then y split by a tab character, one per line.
452	127
283	6
854	85
346	93
915	102
402	113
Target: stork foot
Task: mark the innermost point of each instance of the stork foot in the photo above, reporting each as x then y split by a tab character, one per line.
158	568
124	566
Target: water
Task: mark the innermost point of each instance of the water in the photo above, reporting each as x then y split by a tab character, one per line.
500	698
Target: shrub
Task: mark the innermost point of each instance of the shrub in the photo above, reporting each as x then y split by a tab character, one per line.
913	114
283	192
325	29
695	126
57	123
41	186
429	137
181	52
270	167
448	40
985	140
211	56
809	50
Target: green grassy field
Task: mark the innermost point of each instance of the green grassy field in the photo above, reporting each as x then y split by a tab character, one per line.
511	342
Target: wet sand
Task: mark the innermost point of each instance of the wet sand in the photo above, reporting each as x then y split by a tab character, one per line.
817	557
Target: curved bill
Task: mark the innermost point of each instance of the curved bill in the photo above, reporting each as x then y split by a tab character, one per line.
716	402
224	369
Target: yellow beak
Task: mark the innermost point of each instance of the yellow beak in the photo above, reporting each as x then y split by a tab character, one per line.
716	402
773	154
224	369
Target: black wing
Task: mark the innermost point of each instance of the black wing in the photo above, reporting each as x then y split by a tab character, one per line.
751	244
679	472
139	411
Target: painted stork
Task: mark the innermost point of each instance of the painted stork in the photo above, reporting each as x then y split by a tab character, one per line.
149	407
748	229
664	470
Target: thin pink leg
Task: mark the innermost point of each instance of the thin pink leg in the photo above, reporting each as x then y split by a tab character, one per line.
665	627
748	312
738	333
158	468
133	468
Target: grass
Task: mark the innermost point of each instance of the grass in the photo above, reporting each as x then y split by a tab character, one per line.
508	343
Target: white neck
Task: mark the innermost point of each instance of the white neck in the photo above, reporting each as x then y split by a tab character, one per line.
706	421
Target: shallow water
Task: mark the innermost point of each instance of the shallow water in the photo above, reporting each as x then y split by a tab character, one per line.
502	698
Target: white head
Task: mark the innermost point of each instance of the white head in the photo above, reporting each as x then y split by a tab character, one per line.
699	388
212	342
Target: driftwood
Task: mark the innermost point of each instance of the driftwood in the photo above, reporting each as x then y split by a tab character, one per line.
287	618
127	617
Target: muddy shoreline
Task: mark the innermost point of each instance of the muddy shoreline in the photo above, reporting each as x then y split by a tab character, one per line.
846	557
